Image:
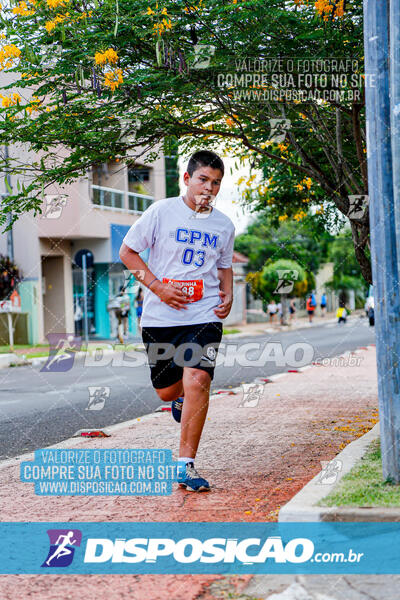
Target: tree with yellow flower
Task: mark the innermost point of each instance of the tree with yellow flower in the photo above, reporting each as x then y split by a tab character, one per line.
100	68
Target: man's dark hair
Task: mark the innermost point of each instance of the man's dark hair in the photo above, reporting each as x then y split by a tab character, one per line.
204	158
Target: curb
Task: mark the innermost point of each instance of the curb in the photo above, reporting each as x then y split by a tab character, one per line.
7	359
302	507
74	441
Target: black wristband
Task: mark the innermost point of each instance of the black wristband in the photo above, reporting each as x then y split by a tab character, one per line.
151	282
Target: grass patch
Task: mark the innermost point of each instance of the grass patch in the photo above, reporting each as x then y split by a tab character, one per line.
364	485
228	331
6	349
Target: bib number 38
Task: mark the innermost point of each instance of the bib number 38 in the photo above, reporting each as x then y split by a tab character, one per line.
192	288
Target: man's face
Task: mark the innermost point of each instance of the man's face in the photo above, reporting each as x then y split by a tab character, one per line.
203	186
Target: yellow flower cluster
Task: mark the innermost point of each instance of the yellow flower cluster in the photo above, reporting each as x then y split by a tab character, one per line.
283	217
50	25
23	10
56	3
304	183
113	76
162	25
112	79
108	57
282	147
151	12
29	75
300	215
189	9
8	53
35	105
327	8
11	100
251	179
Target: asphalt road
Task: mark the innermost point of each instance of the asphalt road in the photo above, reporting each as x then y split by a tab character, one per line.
40	409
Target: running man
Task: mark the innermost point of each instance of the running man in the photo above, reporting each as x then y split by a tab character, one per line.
62	549
188	293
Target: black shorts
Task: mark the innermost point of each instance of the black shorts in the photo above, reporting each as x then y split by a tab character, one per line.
170	349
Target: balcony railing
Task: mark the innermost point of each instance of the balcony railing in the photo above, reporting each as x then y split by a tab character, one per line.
110	198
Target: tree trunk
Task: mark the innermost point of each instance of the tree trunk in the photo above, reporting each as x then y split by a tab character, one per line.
360	234
284	309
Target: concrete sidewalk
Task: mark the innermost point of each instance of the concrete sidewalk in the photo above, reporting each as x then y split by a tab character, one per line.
256	459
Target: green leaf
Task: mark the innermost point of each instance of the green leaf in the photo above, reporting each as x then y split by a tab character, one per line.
315	34
9	188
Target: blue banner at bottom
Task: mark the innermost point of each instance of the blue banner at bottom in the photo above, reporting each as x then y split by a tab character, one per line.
207	548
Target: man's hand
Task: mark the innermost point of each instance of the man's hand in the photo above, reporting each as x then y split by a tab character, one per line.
171	294
224	308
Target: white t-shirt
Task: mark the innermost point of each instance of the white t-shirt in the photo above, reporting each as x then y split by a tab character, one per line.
272	308
184	245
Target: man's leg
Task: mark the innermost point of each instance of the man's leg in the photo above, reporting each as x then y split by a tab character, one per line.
172	392
196	384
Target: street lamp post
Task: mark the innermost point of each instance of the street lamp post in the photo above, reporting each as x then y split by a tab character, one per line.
382	178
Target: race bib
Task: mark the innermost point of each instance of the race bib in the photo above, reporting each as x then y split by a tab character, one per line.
193	288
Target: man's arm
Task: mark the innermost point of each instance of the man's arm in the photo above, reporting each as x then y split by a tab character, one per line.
136	265
225	277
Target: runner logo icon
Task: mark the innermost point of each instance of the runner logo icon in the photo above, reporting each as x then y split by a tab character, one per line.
62	542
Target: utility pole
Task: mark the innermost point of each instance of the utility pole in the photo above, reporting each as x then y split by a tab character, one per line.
383	153
10	241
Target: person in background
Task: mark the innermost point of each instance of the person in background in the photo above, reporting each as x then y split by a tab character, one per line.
323	304
310	306
341	313
122	313
139	307
292	308
272	310
313	298
370	308
369	303
280	312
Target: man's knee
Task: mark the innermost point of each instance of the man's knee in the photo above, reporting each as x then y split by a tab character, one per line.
197	378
